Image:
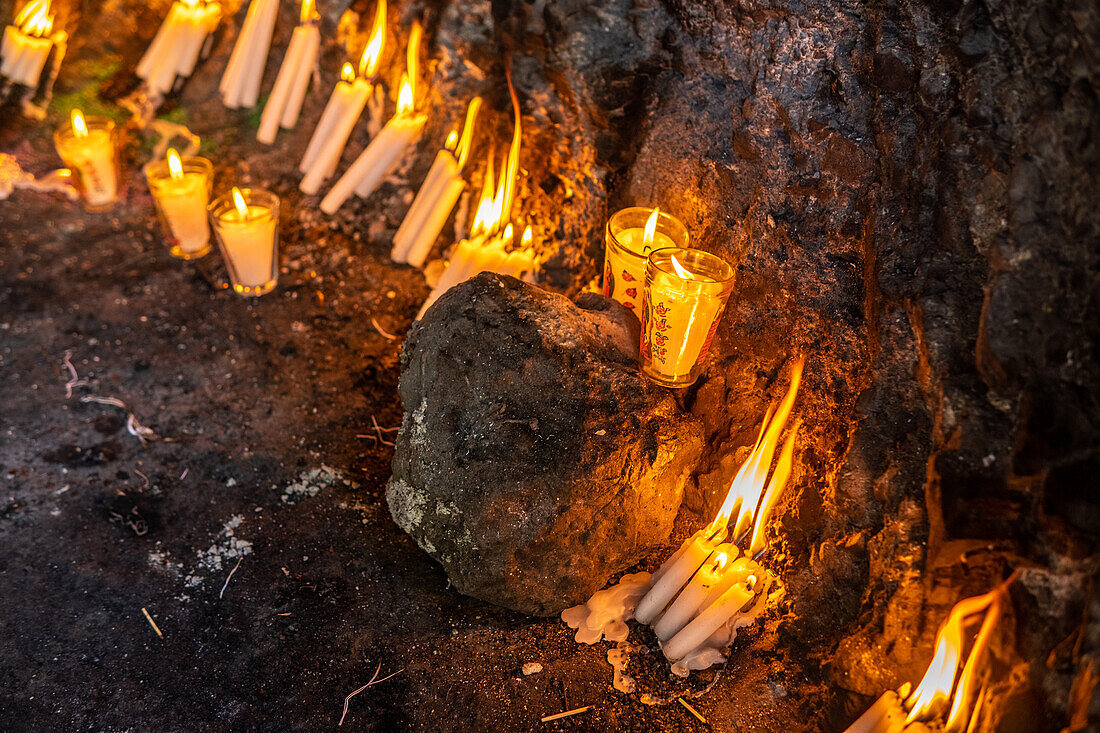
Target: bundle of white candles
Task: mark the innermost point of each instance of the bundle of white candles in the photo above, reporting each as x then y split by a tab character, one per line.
179	42
27	43
437	196
285	103
388	147
240	85
705	592
349	98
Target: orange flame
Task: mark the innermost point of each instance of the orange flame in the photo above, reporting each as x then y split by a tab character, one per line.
462	151
175	165
495	206
405	96
347	73
452	140
483	217
239	203
306	14
527	238
650	230
412	59
938	687
748	484
372	53
35	18
681	271
511	168
80	129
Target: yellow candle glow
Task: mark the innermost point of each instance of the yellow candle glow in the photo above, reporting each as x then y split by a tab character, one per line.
181	193
631	235
246	222
87	145
685	293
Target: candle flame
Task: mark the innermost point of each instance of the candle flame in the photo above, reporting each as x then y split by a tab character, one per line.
239	203
175	165
494	209
372	53
750	582
748	484
525	240
306	14
511	168
412	65
405	96
462	151
942	682
80	129
720	560
452	140
508	232
651	230
35	18
680	269
778	481
484	215
347	73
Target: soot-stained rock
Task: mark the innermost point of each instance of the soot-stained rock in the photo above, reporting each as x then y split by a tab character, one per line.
534	460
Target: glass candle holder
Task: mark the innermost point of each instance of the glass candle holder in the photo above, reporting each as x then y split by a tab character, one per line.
626	252
181	201
249	240
685	293
93	158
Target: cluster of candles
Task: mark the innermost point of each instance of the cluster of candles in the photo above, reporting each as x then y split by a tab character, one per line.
27	43
708	588
678	292
948	697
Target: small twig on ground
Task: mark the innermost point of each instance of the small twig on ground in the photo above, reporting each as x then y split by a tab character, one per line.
693	711
144	477
381	331
230	576
184	474
373	681
133	427
566	714
75	380
152	622
378	436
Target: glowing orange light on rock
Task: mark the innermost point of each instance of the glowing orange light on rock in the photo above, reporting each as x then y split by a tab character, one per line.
80	129
748	484
372	53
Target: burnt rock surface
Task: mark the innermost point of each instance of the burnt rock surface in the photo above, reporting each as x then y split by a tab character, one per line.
534	460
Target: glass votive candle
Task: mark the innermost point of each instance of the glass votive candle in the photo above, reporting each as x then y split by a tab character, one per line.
627	249
246	224
685	293
181	193
87	145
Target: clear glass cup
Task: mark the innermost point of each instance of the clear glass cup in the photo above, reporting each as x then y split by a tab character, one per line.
686	291
249	243
93	158
625	252
181	205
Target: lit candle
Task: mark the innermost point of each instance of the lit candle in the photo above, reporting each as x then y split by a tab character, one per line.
886	716
685	293
87	145
709	577
675	572
344	107
240	85
285	102
176	47
696	633
385	151
437	196
27	43
631	235
181	192
246	224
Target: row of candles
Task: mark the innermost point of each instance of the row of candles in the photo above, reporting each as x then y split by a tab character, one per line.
678	292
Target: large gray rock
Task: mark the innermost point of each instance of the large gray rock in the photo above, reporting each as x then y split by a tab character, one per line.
534	460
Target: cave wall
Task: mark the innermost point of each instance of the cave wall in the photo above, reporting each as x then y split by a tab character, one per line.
907	189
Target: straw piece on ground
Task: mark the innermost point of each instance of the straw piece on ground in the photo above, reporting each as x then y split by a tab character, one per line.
152	622
566	714
692	710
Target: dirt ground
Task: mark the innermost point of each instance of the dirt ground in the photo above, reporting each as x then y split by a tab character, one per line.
253	528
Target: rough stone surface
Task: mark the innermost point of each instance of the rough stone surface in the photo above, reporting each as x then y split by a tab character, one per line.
534	460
